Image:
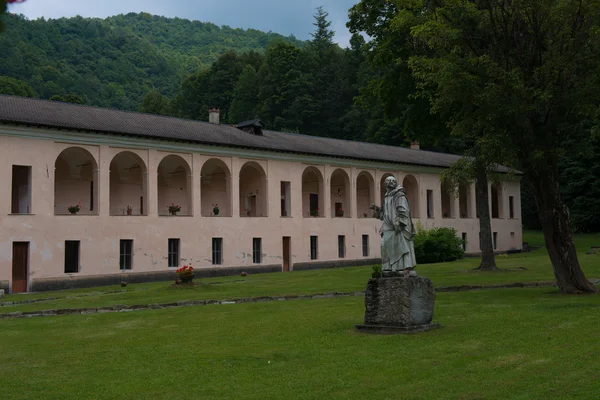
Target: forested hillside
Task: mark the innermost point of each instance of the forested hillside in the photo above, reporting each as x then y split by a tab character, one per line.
182	68
114	62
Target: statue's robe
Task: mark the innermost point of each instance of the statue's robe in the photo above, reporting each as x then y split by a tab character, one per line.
397	232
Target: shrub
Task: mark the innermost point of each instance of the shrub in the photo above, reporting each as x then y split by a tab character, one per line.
438	245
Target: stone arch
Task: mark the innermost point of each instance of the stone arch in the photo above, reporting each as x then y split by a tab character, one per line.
464	200
128	185
411	187
313	196
365	193
253	190
496	200
174	185
215	188
447	200
75	181
340	189
382	188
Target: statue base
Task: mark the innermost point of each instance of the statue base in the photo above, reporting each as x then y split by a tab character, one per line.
399	305
393	330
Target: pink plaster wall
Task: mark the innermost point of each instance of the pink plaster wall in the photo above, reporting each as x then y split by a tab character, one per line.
100	234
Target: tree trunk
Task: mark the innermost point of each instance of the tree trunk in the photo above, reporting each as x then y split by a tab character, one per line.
488	260
556	225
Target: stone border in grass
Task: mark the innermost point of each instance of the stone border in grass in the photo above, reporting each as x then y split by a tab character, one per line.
188	303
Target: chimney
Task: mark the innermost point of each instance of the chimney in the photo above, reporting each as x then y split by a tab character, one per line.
213	116
415	145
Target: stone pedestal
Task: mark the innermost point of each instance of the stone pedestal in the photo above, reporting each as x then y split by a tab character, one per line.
399	305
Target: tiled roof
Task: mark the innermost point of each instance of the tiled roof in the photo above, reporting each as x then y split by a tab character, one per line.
52	114
252	122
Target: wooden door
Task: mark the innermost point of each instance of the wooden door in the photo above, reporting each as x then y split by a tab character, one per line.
20	266
286	253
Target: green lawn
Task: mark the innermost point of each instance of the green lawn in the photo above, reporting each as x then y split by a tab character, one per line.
495	344
536	268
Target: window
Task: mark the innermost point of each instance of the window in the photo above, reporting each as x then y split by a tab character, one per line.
496	192
314	204
464	241
217	251
511	206
126	254
495	240
21	190
173	253
285	199
341	246
71	256
314	247
365	245
256	250
430	204
92	196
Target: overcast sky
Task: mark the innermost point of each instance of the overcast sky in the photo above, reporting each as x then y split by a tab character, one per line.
282	16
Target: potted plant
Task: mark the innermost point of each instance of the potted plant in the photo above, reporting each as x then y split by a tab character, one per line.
247	212
215	209
314	212
339	212
365	215
129	210
376	271
185	274
174	209
74	209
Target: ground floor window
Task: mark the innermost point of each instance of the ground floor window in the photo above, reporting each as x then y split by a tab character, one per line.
314	247
217	251
71	256
341	246
126	254
464	241
173	253
495	240
256	250
365	245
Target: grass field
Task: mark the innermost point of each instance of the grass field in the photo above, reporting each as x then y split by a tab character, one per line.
493	344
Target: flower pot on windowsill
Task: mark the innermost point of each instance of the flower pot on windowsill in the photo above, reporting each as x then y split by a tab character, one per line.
173	212
73	212
216	211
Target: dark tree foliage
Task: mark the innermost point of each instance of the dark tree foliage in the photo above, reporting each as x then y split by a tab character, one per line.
15	87
115	62
68	98
518	77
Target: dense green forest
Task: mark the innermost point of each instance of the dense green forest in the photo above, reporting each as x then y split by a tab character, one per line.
182	68
115	62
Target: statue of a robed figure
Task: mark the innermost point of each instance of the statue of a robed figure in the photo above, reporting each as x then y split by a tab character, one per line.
397	231
398	301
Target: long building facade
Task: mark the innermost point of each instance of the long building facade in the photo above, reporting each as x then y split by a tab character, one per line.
249	200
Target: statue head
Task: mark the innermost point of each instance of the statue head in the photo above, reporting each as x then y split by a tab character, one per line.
390	183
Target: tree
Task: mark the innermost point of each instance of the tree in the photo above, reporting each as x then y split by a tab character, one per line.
15	87
68	98
3	7
391	84
155	103
475	169
245	96
523	75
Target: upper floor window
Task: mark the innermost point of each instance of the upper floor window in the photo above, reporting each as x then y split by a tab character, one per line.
21	190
